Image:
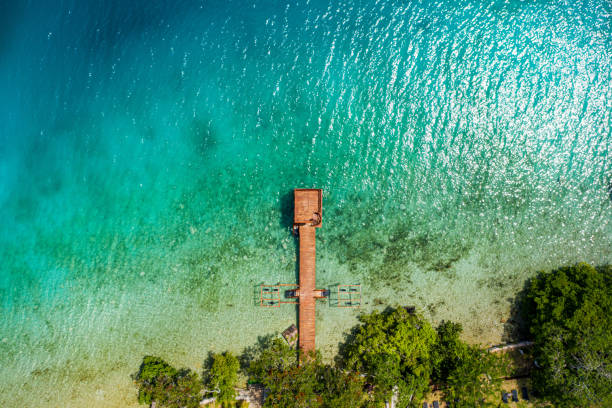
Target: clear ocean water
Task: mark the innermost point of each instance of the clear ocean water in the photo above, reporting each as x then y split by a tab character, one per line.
148	151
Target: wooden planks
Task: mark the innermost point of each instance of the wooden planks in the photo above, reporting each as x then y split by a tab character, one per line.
307	206
307	213
306	317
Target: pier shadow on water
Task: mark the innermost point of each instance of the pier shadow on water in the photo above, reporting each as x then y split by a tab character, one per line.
286	209
286	222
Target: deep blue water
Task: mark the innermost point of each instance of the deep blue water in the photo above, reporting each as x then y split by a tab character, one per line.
148	151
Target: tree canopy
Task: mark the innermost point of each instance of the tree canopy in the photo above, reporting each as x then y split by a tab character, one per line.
310	384
394	350
466	373
569	314
401	353
170	388
223	376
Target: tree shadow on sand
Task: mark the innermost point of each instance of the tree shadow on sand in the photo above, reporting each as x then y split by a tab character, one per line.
250	353
515	328
518	362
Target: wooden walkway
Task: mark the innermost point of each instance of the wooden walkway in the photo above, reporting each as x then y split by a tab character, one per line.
307	217
308	253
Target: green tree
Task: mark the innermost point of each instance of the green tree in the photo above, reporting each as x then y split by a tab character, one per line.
170	388
466	373
569	314
274	356
339	388
153	370
309	384
289	384
394	350
223	375
295	387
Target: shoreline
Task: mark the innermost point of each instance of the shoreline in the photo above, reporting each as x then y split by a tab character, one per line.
332	325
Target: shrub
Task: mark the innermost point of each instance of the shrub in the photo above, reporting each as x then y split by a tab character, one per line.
170	388
569	313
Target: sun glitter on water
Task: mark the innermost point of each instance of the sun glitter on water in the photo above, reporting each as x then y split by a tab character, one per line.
148	152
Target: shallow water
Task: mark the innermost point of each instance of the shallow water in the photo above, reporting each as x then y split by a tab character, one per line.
148	153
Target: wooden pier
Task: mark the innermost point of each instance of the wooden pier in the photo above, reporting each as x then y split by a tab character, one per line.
307	218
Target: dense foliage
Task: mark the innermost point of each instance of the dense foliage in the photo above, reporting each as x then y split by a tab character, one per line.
401	354
394	349
311	384
276	356
222	376
170	388
569	312
466	373
340	389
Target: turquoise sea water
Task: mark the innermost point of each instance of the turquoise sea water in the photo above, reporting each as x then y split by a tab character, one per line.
148	152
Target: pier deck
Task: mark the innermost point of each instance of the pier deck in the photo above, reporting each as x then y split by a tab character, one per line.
307	217
307	288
